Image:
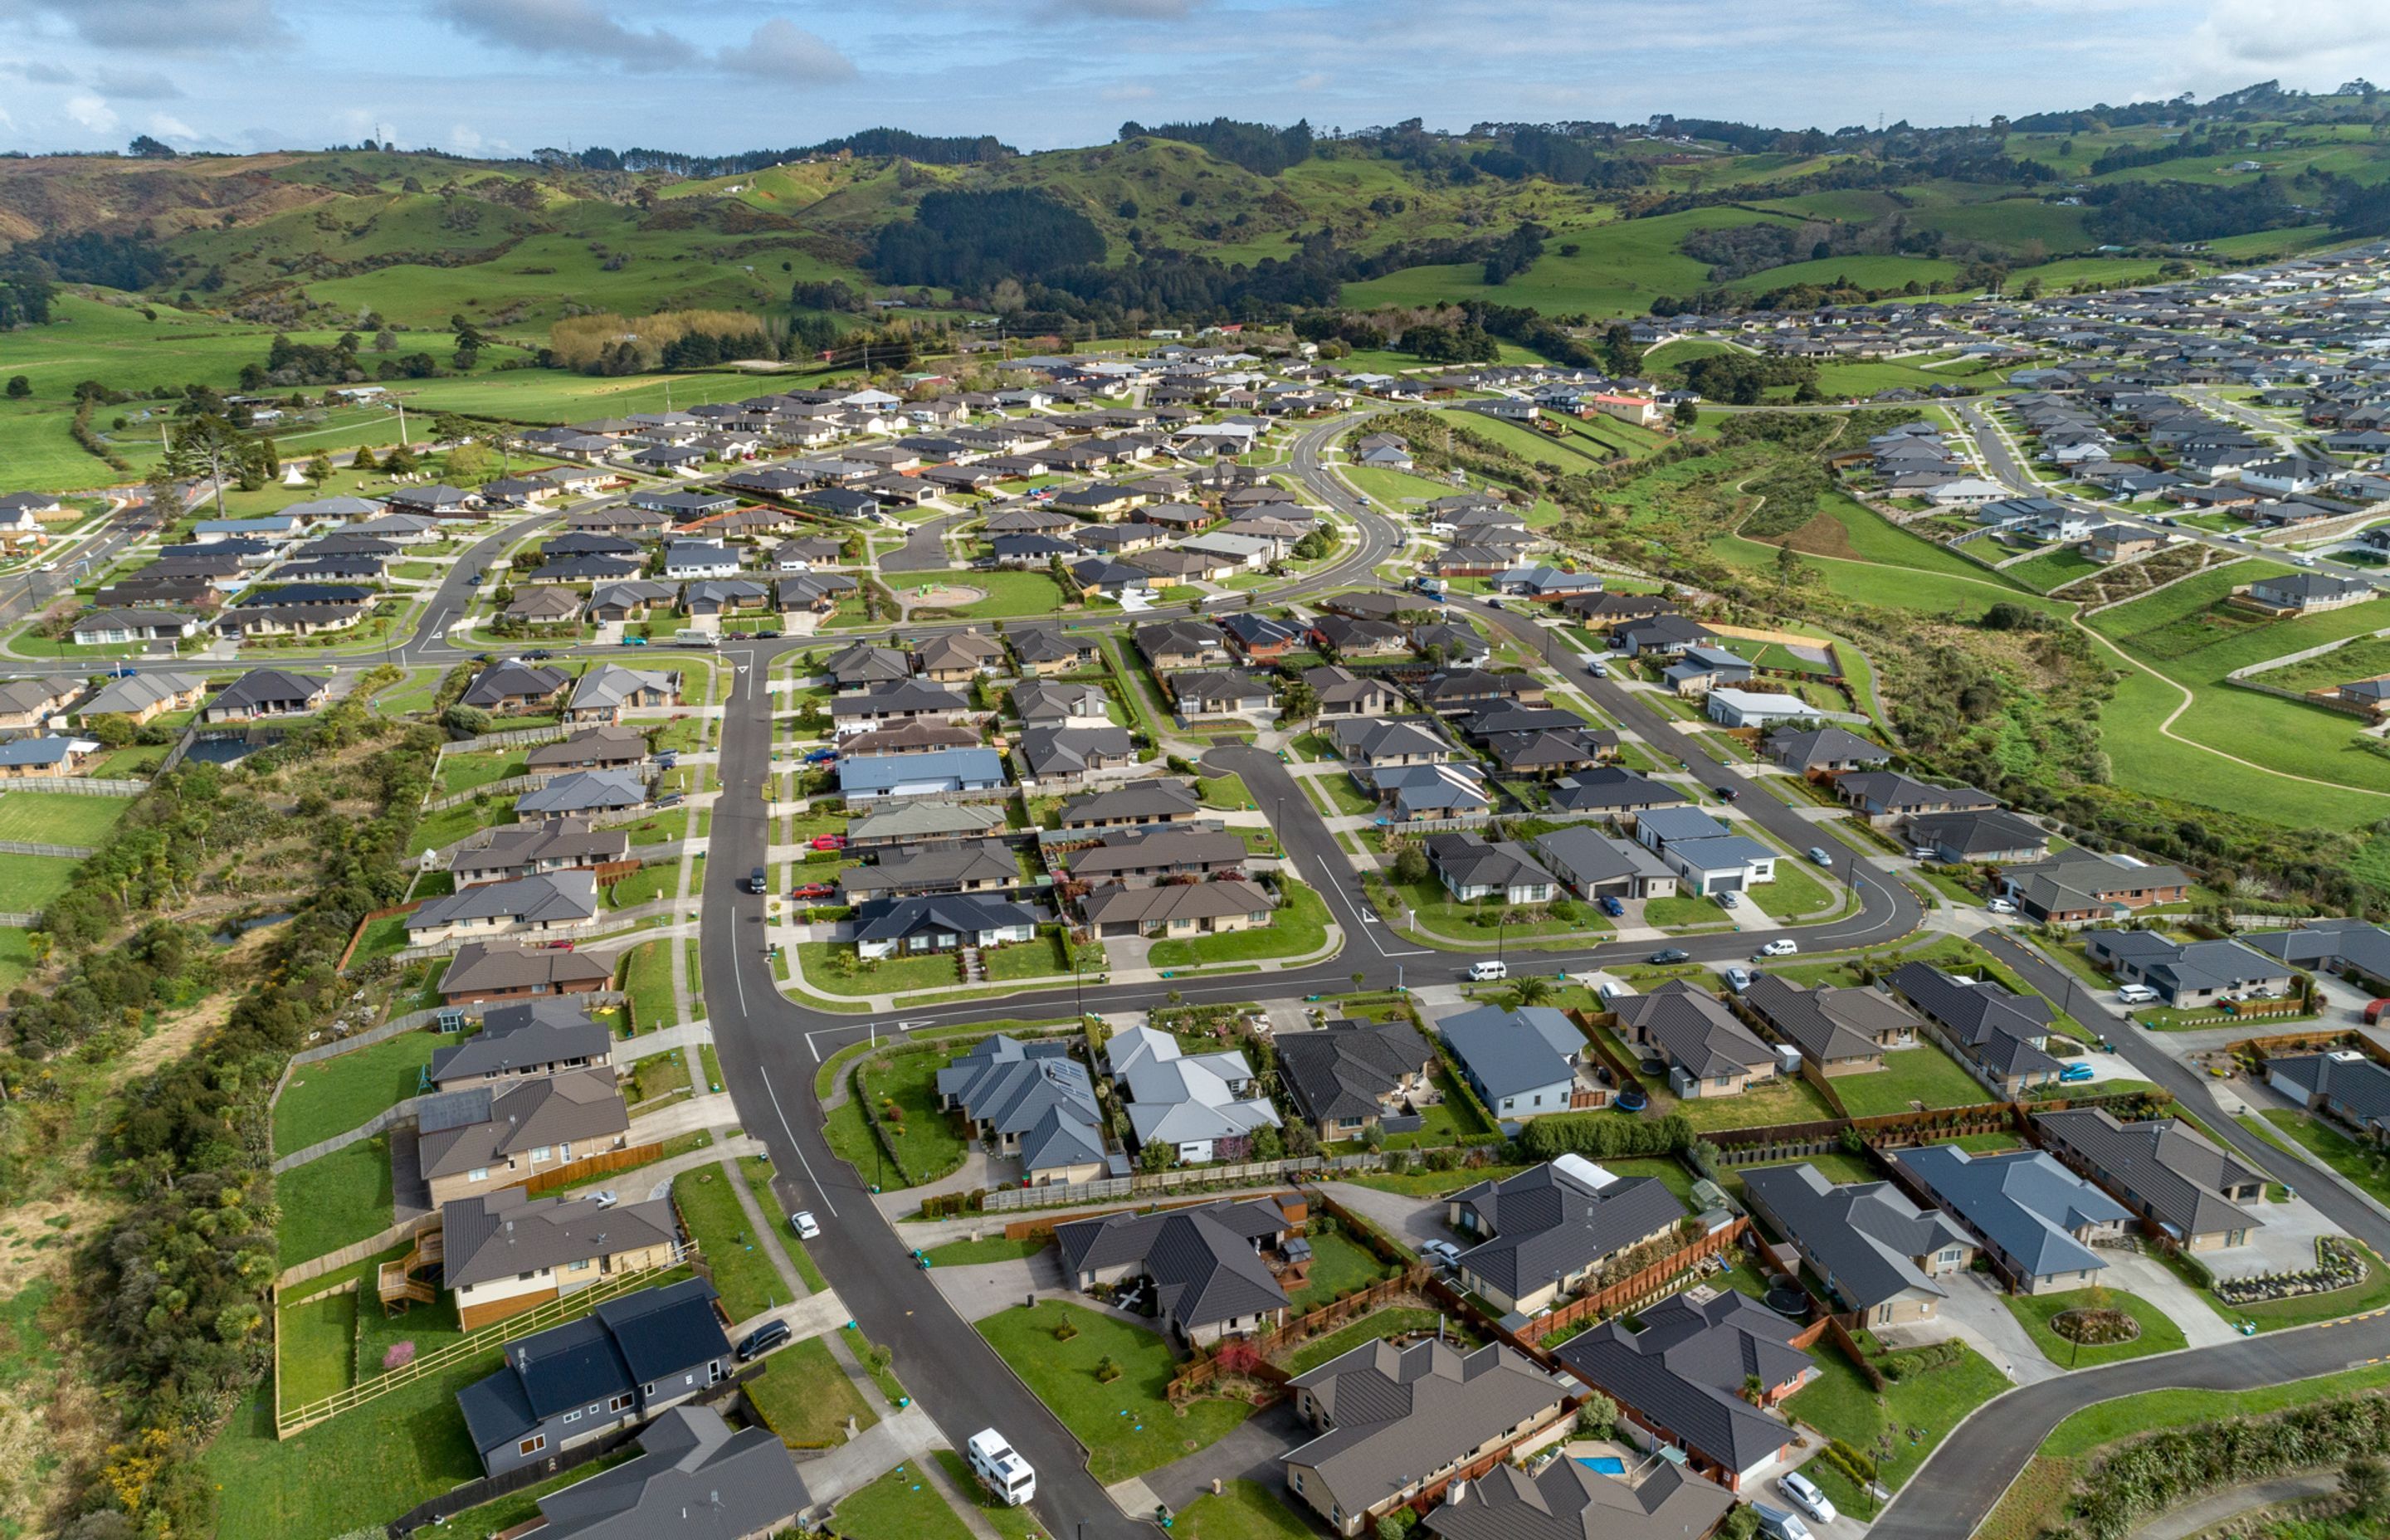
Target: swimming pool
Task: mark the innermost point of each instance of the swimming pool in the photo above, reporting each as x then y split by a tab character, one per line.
1609	1464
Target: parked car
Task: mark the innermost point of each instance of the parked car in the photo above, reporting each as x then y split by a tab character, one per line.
2076	1073
1921	853
560	947
828	841
802	1222
1599	669
822	756
1818	854
1806	1496
1781	1523
635	641
1729	899
1489	970
1782	946
1738	979
1670	955
2136	995
1443	1253
759	881
1610	906
2001	907
670	799
763	1339
812	890
1726	793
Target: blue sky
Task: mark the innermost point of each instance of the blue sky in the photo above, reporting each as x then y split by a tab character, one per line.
506	76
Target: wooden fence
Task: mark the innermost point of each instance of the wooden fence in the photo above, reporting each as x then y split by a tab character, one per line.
84	785
548	1313
597	1165
1640	1288
1200	1373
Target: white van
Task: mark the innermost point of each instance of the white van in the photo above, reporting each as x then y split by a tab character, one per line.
2136	995
1005	1473
1482	971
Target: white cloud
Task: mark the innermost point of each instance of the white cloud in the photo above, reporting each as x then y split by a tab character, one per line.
780	49
566	29
174	130
1120	10
1313	81
2295	36
161	26
92	113
464	139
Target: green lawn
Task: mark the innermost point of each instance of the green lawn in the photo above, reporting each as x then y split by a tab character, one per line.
659	1076
1923	1073
327	1204
2158	1333
661	881
1388	1322
1242	1510
1225	793
805	1397
1040	958
29	883
1920	1409
58	817
757	1171
2335	1149
744	1274
1127	1425
645	974
1298	927
900	1505
1796	890
822	963
1338	1265
470	772
1435	1184
1007	593
316	1342
994	1248
335	1094
357	1471
926	1137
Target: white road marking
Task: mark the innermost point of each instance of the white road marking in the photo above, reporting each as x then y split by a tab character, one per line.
766	1075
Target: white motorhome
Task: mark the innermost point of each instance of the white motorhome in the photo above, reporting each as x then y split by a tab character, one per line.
1006	1473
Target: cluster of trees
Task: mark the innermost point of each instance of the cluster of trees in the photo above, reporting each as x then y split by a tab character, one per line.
827	294
1515	253
972	240
2135	213
2167	1468
1261	148
958	150
1742	378
24	293
610	345
1533	150
89	256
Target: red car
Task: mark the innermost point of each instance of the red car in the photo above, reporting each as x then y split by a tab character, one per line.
560	947
829	841
814	890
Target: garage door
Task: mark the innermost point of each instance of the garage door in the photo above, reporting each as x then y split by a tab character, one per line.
1724	882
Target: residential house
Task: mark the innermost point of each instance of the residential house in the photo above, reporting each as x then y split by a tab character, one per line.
1570	1500
1370	743
1046	651
1732	708
1177	645
911	823
142	696
1707	1051
480	973
1262	638
1679	1376
509	686
583	794
123	627
1389	1423
1622	795
507	1252
1203	1266
1204	1107
46	758
607	691
860	666
1177	910
1538	1236
2309	593
484	1138
1524	1063
1347	1077
512	851
968	867
538	1037
2180	1184
1699	670
1222	692
1706	858
1505	871
2191	974
1149	801
2002	1038
892	926
26	704
1041	703
1347	637
1595	865
1881	1257
1997	837
1823	750
2351	947
1427	793
2341	1083
1065	754
958	657
1888	798
694	1476
1141	857
2078	885
1660	635
1031	1099
549	904
939	772
900	702
630	1359
1344	694
916	736
1839	1029
2036	1222
601	748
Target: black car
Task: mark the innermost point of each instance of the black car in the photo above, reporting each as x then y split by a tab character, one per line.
1726	793
481	657
1671	955
763	1339
759	882
538	655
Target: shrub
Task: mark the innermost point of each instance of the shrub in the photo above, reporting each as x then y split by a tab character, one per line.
1065	1329
1106	1371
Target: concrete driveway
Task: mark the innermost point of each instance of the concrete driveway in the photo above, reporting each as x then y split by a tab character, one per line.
2154	1282
2286	1243
983	1288
1975	1313
1412	1219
